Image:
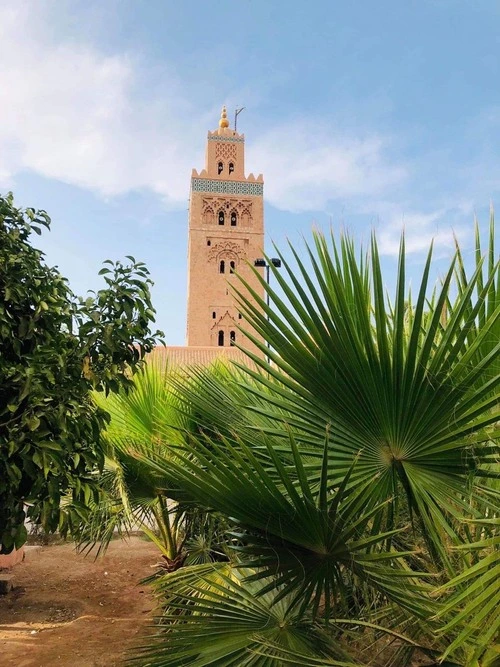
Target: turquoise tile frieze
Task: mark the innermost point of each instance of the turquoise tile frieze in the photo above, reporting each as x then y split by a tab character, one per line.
239	140
227	187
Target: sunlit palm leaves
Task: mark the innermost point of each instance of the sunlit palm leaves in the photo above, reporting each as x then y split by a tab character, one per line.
397	382
488	267
149	413
144	419
214	616
344	467
474	608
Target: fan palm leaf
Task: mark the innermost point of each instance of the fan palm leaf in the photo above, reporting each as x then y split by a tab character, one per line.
474	607
491	300
407	392
343	466
215	615
149	417
305	541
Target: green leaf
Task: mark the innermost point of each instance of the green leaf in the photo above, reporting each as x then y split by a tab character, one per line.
33	422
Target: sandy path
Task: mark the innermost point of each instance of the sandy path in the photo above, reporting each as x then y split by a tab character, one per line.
68	609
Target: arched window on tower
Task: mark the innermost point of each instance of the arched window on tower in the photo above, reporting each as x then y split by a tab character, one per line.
232	266
232	337
234	218
231	167
221	217
220	168
222	266
221	339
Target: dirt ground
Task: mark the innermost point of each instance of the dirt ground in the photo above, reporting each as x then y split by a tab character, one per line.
68	609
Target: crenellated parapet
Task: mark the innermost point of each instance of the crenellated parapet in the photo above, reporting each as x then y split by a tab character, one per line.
203	173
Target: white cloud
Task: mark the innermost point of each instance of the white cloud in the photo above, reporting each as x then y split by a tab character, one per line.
305	166
441	226
113	123
72	113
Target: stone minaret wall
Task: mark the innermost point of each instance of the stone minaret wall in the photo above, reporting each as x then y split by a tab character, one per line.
226	230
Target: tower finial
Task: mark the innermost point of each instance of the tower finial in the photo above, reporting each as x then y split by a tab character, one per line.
223	118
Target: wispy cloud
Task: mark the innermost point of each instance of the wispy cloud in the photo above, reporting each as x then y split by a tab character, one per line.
72	113
441	226
306	165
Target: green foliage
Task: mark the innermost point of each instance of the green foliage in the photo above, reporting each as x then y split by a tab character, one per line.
286	530
345	466
401	386
145	422
479	599
488	285
234	622
55	348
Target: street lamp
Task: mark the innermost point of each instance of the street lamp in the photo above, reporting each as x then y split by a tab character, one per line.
261	263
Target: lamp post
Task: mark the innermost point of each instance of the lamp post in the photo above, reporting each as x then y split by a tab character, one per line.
261	263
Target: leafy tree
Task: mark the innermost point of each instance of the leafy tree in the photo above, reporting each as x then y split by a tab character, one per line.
54	349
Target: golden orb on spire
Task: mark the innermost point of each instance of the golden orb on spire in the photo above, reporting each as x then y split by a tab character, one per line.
223	118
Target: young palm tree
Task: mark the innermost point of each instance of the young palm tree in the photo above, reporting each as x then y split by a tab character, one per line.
148	419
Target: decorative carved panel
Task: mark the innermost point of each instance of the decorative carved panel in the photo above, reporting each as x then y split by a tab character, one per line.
225	151
208	216
219	139
226	250
211	205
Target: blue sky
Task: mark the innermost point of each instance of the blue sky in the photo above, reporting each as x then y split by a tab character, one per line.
364	115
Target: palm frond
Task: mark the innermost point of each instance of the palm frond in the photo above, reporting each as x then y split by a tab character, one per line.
303	540
213	616
474	607
405	390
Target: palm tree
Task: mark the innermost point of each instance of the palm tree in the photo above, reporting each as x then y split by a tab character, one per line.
344	462
149	418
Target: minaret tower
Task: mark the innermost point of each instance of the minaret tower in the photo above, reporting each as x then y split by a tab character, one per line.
226	234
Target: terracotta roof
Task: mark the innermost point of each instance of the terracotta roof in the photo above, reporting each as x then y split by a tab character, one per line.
199	356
